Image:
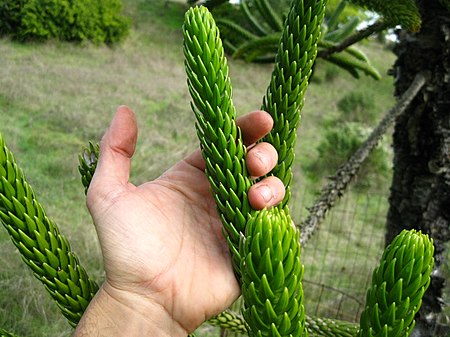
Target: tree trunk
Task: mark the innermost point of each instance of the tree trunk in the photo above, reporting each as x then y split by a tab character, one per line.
420	191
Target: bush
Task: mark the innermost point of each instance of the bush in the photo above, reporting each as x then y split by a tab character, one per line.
358	106
10	15
98	21
340	142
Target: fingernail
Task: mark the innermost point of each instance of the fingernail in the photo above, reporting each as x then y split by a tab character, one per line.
266	193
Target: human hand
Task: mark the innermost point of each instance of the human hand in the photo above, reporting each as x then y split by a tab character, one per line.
167	264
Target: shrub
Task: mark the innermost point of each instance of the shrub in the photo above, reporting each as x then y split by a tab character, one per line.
98	21
10	15
340	142
357	106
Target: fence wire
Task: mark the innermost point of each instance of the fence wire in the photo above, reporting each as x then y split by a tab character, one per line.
339	259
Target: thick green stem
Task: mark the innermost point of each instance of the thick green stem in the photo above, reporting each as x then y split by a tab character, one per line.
284	97
264	244
37	238
398	285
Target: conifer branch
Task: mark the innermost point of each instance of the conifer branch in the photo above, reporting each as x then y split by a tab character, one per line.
360	35
316	326
400	12
267	257
285	94
87	163
398	285
37	238
220	138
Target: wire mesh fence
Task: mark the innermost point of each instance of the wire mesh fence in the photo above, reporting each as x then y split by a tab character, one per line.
340	257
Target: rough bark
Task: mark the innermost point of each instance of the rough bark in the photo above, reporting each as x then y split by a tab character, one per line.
420	191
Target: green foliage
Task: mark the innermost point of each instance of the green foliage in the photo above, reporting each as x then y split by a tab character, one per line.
358	106
98	21
254	35
272	281
285	94
340	12
270	272
341	140
88	163
230	321
220	139
316	327
4	333
10	15
37	238
398	285
399	12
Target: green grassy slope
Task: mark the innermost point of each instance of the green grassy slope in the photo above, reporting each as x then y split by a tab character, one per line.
55	97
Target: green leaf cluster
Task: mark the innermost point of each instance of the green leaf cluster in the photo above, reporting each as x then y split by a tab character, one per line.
88	160
285	94
399	12
264	244
220	140
98	21
4	333
316	326
253	33
270	274
37	238
398	285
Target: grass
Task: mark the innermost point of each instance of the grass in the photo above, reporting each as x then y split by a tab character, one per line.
55	97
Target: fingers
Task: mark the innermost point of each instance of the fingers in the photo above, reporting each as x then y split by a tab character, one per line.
261	159
253	125
270	191
267	193
116	149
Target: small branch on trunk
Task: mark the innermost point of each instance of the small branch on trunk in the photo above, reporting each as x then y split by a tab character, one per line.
346	172
378	26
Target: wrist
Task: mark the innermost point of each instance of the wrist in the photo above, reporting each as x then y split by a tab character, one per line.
113	312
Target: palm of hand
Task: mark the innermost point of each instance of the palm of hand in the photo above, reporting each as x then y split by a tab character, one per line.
168	245
162	241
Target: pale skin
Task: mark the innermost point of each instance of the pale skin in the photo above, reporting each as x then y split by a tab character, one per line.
167	263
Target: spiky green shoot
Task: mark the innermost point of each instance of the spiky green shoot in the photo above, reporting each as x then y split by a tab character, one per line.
398	285
316	326
87	163
272	276
278	271
220	140
37	238
285	94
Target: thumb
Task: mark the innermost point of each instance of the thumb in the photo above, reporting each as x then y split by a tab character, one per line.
116	150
